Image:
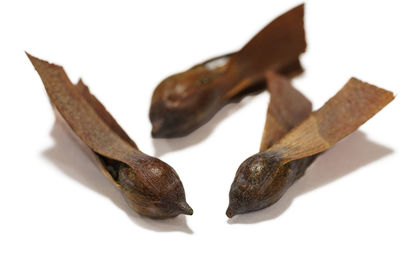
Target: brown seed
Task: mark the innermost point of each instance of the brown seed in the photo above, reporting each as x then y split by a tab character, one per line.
150	186
293	138
183	102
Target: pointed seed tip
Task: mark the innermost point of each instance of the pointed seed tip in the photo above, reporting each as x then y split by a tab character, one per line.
185	208
190	212
230	213
156	130
153	134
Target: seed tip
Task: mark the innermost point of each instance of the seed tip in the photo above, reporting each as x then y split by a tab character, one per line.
185	208
156	130
190	212
230	213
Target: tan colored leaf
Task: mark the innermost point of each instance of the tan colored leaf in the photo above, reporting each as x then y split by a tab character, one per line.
287	108
352	106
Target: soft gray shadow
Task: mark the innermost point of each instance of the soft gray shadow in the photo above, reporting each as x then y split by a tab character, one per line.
345	157
163	146
69	157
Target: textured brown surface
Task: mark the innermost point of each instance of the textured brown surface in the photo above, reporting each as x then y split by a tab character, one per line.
287	108
351	107
103	113
183	102
262	179
150	186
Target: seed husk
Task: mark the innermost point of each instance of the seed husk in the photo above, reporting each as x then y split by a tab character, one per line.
150	186
183	102
294	136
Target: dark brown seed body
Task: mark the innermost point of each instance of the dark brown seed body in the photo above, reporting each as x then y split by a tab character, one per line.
287	150
184	101
150	186
261	180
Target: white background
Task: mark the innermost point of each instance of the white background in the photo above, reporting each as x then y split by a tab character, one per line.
57	209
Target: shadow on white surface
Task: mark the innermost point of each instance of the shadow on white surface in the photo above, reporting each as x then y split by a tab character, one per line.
165	145
345	157
69	157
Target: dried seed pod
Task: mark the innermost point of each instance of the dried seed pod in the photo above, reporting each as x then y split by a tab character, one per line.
285	153
150	186
183	102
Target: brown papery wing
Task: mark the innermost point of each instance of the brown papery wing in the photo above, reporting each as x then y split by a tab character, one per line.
280	42
287	108
82	118
351	107
103	113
